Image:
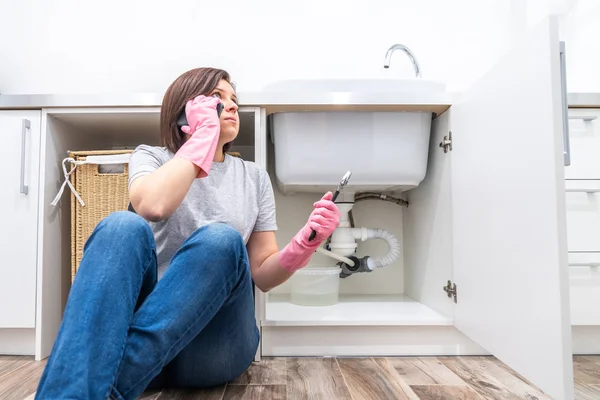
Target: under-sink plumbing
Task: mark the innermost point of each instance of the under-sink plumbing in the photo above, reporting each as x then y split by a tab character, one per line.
409	53
342	245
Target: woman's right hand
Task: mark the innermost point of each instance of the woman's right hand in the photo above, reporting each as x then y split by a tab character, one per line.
324	219
203	129
201	112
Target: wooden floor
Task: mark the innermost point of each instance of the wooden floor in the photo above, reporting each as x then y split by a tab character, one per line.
428	378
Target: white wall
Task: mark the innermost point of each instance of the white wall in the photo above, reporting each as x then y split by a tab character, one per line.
74	46
581	32
580	29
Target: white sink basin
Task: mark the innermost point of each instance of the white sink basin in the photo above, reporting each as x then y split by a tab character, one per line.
385	151
359	85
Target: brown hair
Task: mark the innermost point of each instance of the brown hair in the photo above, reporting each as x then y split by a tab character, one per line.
196	82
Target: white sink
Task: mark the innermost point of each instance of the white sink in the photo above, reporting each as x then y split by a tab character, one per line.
359	85
385	150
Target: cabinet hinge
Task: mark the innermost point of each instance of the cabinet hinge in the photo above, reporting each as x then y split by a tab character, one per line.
450	289
446	144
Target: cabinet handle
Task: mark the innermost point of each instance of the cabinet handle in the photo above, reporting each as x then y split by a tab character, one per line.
591	190
582	190
584	118
565	105
588	264
26	125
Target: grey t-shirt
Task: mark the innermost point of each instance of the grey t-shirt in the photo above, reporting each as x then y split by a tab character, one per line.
236	192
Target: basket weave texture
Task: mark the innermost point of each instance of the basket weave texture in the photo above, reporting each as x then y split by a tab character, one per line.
102	193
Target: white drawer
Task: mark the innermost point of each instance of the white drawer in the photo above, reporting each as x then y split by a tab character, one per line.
584	288
584	143
583	215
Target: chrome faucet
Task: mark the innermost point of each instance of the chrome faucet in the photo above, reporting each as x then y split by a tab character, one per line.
390	51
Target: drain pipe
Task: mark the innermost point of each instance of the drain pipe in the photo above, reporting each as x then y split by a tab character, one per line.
342	245
393	253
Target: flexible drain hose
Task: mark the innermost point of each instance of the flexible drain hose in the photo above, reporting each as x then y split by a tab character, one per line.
393	253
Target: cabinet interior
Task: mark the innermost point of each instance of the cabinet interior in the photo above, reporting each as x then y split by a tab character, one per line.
407	292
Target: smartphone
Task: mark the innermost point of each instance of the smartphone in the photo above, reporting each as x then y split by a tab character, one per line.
182	120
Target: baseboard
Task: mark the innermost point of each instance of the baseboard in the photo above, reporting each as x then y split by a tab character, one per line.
360	341
586	339
17	342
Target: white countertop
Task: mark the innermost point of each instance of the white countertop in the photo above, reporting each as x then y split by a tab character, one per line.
245	99
37	101
584	99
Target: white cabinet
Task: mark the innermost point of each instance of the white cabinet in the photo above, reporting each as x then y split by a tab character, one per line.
20	155
583	215
583	181
490	217
584	280
583	227
584	145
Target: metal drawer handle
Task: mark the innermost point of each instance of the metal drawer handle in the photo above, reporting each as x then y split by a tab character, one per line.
596	190
565	106
584	118
26	125
588	264
583	190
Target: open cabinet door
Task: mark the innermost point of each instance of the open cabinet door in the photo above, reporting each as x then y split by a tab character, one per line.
509	217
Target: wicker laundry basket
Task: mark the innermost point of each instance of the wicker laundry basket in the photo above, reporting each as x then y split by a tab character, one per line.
102	194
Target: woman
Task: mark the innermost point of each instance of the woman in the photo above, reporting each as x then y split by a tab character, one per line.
163	297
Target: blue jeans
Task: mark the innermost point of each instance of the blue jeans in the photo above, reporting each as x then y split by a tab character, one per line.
123	332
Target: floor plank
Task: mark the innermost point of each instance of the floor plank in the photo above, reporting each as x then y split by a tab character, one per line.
22	382
347	379
315	379
215	393
595	359
587	392
445	392
149	395
586	371
491	381
374	378
8	364
424	371
255	392
269	371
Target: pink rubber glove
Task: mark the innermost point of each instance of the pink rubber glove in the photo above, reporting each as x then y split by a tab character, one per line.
324	219
204	128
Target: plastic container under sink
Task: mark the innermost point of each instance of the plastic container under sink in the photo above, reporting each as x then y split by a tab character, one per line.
316	286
